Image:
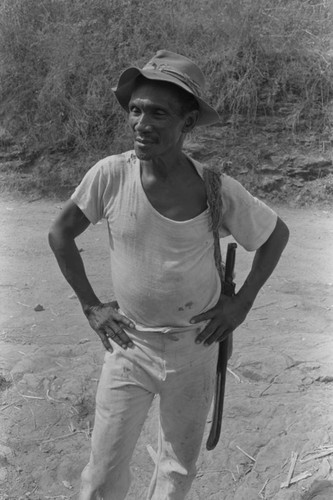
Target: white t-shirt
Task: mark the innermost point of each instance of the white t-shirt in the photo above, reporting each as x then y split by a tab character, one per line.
163	271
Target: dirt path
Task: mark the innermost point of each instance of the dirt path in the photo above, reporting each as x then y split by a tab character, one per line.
279	400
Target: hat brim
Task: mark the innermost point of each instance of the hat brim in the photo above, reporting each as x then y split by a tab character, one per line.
126	84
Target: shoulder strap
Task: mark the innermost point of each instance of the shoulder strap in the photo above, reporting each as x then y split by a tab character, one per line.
213	184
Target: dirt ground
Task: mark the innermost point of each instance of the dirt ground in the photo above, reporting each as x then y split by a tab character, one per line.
279	396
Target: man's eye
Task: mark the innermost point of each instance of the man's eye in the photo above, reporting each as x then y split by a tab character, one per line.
160	112
134	109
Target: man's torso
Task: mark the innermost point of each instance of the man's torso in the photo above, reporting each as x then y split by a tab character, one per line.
163	270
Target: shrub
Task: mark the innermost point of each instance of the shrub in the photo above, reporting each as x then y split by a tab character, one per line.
59	60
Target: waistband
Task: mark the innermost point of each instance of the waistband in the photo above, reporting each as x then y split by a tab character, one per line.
167	330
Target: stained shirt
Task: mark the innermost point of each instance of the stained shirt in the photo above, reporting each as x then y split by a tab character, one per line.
163	271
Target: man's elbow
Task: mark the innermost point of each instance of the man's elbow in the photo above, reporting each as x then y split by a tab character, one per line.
52	237
56	237
283	231
279	237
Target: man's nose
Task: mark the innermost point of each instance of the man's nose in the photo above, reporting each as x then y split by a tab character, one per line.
143	123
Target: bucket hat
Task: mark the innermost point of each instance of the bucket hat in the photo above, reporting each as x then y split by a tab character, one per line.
169	67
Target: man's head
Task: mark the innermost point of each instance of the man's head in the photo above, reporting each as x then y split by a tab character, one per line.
160	116
186	101
175	69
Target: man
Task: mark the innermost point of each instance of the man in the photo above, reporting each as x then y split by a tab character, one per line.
162	334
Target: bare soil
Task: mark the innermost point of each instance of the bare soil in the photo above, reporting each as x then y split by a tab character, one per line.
279	397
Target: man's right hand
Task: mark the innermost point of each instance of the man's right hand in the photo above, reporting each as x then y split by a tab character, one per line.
107	322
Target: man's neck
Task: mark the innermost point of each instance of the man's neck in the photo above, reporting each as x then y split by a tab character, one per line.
174	189
166	167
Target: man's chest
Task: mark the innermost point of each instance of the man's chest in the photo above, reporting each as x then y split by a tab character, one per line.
135	224
176	200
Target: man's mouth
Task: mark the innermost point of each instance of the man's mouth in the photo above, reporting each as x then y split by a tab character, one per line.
144	141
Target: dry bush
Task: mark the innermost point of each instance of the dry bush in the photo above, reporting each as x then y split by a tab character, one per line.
274	57
59	60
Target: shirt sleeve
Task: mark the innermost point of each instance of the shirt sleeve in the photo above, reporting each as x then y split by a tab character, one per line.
249	220
93	191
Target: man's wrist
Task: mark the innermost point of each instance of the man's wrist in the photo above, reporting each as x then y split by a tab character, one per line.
88	308
246	298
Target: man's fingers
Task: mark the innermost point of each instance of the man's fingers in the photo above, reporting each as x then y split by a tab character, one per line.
214	337
206	333
213	333
211	313
115	333
122	319
203	317
105	341
103	314
219	336
126	321
107	321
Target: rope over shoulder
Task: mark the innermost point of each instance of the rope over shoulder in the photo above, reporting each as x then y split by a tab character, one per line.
213	182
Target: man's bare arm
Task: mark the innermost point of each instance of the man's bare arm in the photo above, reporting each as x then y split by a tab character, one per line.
230	312
103	318
70	224
264	263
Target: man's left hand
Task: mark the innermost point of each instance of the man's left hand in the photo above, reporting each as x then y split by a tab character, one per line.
224	318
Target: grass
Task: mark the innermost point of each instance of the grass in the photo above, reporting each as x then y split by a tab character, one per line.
59	60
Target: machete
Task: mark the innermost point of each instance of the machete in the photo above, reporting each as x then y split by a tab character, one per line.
228	288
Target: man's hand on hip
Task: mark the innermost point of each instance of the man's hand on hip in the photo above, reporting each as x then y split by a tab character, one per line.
107	322
230	312
224	318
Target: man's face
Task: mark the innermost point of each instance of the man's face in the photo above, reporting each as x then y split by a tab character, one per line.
156	121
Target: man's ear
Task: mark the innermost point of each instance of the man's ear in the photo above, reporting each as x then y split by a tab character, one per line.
190	121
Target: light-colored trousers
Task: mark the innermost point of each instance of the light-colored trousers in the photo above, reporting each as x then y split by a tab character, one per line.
182	373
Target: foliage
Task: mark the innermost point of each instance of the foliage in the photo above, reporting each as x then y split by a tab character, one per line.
60	58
